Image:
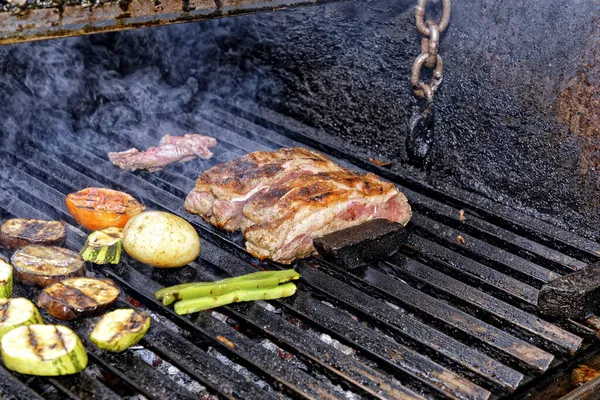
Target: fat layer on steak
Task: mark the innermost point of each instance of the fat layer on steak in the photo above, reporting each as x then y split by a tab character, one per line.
282	221
282	199
222	191
171	149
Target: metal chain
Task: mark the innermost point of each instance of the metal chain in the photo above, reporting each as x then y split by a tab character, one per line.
429	56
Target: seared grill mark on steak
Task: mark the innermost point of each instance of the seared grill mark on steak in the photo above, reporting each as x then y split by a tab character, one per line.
222	191
282	199
283	226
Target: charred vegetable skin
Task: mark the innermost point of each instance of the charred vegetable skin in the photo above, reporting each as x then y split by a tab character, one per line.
103	247
17	312
257	280
75	297
19	232
119	329
99	208
6	279
205	303
44	350
44	265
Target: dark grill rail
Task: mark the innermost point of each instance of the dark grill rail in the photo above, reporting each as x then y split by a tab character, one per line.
39	19
438	320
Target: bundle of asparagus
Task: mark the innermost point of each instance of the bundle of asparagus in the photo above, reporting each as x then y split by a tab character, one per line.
198	296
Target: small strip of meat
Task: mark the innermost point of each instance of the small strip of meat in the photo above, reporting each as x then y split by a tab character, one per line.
284	220
171	149
222	191
197	143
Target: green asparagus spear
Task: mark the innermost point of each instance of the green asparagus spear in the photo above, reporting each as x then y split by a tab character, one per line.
204	303
255	275
215	290
257	280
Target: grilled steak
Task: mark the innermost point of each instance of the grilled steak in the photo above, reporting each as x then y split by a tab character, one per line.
222	191
286	218
170	150
282	199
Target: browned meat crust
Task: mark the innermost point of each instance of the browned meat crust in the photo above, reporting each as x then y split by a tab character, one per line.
282	199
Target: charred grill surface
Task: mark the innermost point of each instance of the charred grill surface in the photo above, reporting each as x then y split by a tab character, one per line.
443	318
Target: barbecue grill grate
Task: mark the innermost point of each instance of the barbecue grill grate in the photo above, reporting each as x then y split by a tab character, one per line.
441	319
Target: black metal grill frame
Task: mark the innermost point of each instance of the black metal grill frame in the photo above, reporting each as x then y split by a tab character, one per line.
439	320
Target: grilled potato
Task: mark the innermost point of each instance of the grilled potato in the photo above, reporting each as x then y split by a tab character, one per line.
76	297
44	265
161	239
44	350
19	232
117	330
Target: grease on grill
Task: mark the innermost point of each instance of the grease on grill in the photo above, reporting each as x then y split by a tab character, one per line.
583	374
379	162
361	244
226	341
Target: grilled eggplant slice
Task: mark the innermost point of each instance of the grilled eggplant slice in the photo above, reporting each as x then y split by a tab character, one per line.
76	297
44	350
17	312
119	329
44	265
6	279
19	232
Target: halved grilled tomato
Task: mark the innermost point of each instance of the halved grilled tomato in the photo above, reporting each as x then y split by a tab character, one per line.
99	208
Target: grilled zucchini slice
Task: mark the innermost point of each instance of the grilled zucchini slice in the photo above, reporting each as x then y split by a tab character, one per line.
103	247
119	329
17	312
37	265
44	350
76	297
6	279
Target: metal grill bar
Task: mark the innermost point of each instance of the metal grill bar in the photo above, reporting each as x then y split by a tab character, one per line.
297	340
83	386
500	237
475	273
494	257
513	350
36	21
413	330
270	362
487	307
479	275
138	374
12	388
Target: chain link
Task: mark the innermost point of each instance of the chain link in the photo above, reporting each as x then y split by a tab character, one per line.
429	56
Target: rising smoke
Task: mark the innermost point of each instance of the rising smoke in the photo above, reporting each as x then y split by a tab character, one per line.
140	84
